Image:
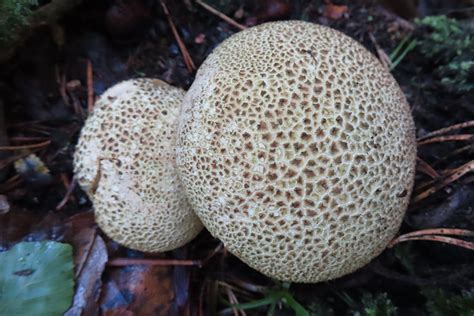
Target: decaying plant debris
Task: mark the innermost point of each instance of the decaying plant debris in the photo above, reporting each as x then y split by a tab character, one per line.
49	82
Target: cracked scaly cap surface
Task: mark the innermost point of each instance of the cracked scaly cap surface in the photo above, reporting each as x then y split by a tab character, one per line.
297	149
125	162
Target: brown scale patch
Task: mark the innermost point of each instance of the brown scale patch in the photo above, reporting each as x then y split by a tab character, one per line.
321	131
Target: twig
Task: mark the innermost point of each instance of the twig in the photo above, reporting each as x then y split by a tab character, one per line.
18	139
90	87
439	231
31	146
62	86
70	189
166	262
201	298
212	253
235	288
244	286
221	15
233	300
462	137
184	51
453	153
447	129
383	57
36	129
449	178
448	240
77	105
82	263
11	183
399	22
119	262
437	234
424	167
27	123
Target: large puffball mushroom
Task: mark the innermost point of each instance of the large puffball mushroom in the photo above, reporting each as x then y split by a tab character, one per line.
125	161
296	148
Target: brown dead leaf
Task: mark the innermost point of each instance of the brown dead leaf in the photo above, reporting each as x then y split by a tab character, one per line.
90	258
16	224
138	290
79	222
122	311
334	12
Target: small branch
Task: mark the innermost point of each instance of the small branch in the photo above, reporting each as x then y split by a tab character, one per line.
424	167
165	262
82	263
221	15
90	87
4	141
62	88
447	130
184	51
447	240
119	262
383	57
454	153
233	300
439	231
11	183
449	178
31	146
213	253
244	287
77	106
19	139
70	189
437	234
439	139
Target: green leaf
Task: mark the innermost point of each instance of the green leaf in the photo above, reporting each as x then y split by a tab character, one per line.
36	278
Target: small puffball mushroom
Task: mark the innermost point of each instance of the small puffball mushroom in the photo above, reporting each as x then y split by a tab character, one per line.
296	148
125	161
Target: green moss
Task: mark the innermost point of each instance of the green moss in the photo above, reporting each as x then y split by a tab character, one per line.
376	305
450	45
13	15
440	302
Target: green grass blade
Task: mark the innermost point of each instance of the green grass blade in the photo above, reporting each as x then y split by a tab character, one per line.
257	303
297	307
402	55
397	49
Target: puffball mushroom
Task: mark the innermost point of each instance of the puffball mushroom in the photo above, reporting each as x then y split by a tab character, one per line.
125	161
296	148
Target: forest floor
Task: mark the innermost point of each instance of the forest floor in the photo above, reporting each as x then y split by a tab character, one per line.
50	83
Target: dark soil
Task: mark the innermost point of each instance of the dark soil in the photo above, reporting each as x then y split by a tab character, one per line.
43	92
